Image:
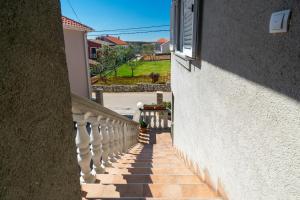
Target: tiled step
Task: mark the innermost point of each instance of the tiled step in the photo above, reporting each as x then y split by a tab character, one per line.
161	179
128	161
171	191
146	157
150	198
150	165
169	171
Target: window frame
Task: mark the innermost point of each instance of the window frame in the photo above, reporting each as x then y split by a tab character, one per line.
91	52
178	26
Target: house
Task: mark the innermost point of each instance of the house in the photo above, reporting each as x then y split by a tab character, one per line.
76	48
235	111
93	45
116	41
236	95
162	46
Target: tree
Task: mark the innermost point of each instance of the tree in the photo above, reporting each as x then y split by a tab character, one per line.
133	64
110	58
148	50
107	57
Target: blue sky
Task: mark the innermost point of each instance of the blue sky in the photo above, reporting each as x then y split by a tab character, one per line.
116	14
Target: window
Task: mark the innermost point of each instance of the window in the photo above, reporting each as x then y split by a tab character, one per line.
184	27
93	52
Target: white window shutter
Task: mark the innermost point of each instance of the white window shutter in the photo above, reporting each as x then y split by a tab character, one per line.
189	28
172	26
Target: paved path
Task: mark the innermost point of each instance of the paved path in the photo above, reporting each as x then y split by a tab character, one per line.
149	172
125	103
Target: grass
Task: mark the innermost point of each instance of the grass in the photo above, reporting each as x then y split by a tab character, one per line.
145	68
141	73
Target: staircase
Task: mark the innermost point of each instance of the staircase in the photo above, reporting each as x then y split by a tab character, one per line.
149	172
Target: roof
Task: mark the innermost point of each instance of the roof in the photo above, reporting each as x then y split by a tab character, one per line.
162	40
166	43
101	42
115	40
74	25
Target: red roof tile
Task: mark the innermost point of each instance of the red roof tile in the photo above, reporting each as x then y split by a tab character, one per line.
74	24
115	40
162	40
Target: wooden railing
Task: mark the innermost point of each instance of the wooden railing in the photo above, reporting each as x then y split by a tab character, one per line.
102	135
156	119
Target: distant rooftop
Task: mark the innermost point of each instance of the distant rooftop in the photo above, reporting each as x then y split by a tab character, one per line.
162	40
114	40
72	24
97	41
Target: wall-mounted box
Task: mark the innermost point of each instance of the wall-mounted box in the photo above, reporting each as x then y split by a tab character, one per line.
279	21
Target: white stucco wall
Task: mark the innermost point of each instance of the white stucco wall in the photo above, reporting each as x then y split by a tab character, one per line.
246	135
76	62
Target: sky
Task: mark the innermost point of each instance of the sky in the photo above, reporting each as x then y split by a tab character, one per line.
119	14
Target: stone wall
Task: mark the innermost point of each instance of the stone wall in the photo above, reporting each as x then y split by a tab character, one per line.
135	88
37	143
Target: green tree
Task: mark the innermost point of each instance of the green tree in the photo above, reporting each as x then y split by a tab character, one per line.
133	64
110	58
107	57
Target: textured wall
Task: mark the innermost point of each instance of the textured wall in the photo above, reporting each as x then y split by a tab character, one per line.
237	111
77	69
37	148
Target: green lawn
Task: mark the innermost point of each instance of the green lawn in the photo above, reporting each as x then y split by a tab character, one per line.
141	73
146	68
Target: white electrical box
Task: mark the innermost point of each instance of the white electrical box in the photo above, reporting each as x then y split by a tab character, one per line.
279	21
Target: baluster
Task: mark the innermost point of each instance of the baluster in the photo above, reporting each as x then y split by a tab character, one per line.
111	141
165	116
96	141
116	138
159	119
121	136
125	138
130	135
155	119
147	117
84	155
144	115
105	142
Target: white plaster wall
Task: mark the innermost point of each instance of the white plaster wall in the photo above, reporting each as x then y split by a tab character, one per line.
246	135
76	62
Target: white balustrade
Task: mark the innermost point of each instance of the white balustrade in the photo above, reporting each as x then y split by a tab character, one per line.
84	155
96	141
110	135
116	139
105	142
156	119
121	139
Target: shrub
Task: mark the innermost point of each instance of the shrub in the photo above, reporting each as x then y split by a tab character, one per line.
154	77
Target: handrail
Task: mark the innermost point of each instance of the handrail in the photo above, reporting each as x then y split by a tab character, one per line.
84	105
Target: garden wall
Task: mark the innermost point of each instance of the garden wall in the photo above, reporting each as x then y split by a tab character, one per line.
135	88
157	57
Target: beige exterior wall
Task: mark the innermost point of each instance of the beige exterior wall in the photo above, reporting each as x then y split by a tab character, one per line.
75	47
237	109
38	159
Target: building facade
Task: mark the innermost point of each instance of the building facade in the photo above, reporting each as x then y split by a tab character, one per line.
236	96
76	47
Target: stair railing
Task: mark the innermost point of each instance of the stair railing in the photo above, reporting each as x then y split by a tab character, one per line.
156	119
102	135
